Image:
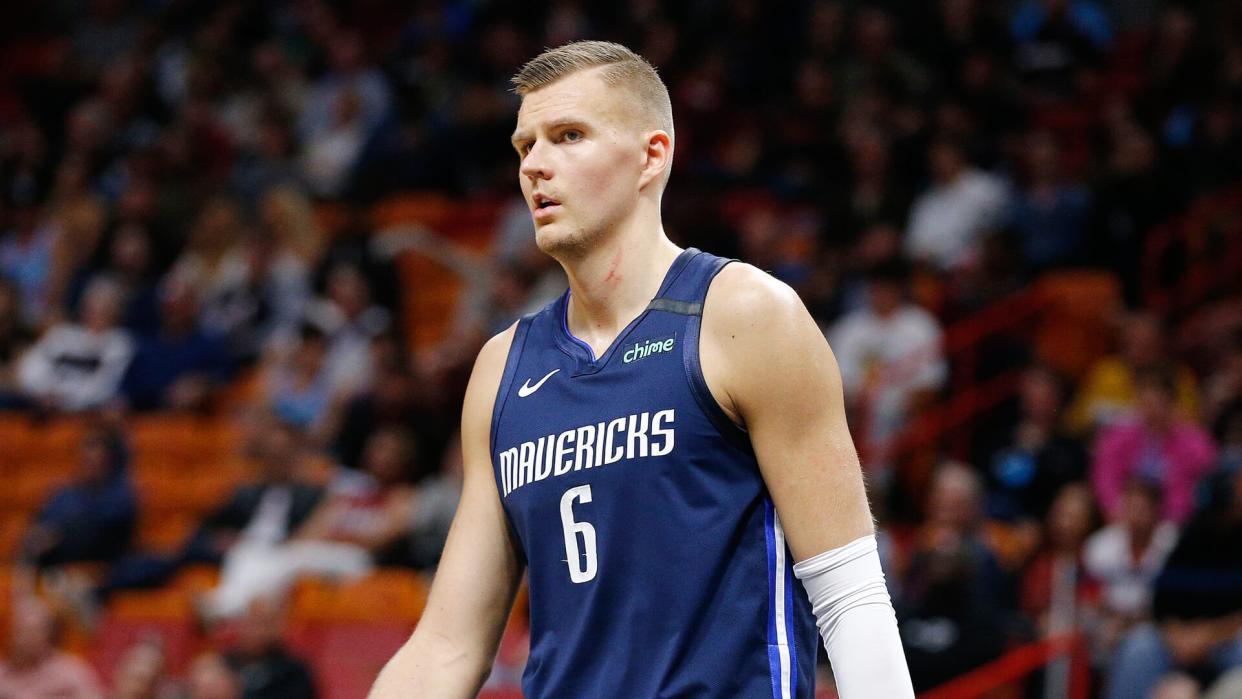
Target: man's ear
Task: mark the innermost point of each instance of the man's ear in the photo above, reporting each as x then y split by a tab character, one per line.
659	158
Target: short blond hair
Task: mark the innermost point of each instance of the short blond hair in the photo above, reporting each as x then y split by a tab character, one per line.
622	68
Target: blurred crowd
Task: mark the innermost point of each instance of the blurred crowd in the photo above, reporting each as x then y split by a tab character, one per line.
164	168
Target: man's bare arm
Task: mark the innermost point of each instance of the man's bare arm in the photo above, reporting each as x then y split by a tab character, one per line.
770	368
772	371
451	651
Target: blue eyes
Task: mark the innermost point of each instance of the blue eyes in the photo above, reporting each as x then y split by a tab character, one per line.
569	136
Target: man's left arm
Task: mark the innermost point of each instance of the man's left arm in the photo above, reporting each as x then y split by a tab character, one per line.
770	369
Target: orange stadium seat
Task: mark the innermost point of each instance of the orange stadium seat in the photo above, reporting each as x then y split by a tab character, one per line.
194	492
431	298
164	530
13	526
434	211
1079	306
169	603
196	578
29	489
28	444
396	596
186	440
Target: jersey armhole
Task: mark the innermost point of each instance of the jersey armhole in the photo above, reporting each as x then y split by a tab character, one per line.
502	394
729	430
506	378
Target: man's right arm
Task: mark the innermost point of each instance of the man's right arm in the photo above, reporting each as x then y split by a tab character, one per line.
451	651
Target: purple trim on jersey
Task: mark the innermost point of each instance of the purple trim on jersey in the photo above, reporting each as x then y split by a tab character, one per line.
789	624
774	655
569	334
506	377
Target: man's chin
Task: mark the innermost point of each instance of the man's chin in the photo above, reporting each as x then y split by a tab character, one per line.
560	243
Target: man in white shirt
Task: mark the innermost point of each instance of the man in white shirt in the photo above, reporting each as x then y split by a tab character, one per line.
890	356
948	221
79	366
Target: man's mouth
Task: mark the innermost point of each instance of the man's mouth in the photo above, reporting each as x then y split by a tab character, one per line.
545	207
543	201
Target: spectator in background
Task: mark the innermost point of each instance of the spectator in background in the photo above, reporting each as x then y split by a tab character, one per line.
179	367
92	518
351	321
1036	457
1055	591
890	357
1222	387
331	155
35	668
262	660
131	263
1125	557
26	253
1130	198
355	243
1181	65
1050	213
434	507
399	397
79	366
1056	41
214	260
265	511
878	61
272	294
1197	605
299	386
950	605
15	338
361	518
210	677
268	160
142	673
1108	391
352	77
1228	433
287	221
876	193
962	204
1157	445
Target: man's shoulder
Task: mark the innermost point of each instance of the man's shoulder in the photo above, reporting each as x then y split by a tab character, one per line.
756	323
496	349
743	296
489	368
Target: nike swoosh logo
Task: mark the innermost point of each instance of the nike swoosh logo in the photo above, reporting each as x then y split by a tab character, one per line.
526	389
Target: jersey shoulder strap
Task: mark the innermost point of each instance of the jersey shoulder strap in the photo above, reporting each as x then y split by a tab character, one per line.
685	295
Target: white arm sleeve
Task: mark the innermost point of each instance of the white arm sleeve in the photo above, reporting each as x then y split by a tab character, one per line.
856	619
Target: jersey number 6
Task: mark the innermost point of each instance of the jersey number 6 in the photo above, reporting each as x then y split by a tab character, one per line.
582	564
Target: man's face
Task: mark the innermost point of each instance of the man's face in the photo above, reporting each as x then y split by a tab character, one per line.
582	155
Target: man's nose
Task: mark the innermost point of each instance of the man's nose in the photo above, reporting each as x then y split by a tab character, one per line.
535	164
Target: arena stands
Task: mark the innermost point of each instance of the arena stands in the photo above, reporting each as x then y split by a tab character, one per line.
238	241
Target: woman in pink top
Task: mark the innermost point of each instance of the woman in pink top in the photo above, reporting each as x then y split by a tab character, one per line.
1158	445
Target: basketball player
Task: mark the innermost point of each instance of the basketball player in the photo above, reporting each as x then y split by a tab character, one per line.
656	448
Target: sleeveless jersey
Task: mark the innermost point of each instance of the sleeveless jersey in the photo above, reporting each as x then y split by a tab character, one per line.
657	565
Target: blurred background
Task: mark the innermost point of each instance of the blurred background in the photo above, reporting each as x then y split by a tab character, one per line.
248	252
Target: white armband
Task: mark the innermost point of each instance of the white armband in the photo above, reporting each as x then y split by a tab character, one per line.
855	616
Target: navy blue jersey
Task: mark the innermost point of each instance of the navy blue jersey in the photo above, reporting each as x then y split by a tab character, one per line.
657	564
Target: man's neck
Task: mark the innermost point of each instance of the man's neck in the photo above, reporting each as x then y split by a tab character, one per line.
612	284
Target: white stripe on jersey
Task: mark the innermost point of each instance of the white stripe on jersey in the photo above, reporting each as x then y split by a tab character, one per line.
782	633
